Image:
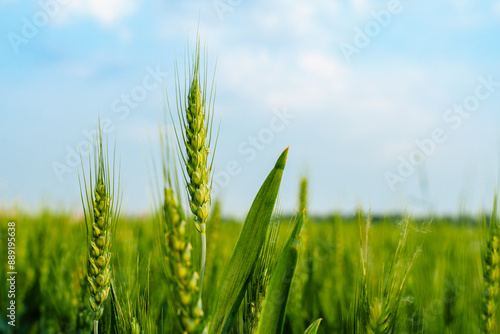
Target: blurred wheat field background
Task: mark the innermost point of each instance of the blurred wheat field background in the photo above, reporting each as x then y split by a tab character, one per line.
443	291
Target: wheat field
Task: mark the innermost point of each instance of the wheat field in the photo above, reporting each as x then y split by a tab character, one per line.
185	268
443	292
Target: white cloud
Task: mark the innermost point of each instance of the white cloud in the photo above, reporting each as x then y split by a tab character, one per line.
320	64
361	6
301	16
109	12
311	21
388	104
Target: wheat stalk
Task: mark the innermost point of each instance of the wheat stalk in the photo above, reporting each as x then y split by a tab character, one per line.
101	203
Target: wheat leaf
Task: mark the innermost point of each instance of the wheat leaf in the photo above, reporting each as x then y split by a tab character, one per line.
313	328
246	252
273	311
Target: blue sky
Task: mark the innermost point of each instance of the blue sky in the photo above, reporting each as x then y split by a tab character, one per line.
386	104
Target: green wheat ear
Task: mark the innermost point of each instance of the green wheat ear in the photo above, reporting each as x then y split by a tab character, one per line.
181	269
491	274
303	194
195	115
197	152
101	203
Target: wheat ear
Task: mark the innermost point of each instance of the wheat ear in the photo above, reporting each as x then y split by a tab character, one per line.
101	208
181	269
491	274
195	113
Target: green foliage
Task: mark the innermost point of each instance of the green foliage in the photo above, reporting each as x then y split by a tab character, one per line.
251	307
246	253
443	291
376	310
132	312
273	310
313	328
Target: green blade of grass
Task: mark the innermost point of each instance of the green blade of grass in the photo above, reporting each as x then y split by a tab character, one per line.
246	252
273	311
313	329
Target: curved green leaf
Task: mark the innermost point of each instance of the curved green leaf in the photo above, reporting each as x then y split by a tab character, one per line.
246	252
313	329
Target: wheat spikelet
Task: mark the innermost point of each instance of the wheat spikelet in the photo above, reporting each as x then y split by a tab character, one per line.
196	116
101	208
181	269
303	194
491	275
